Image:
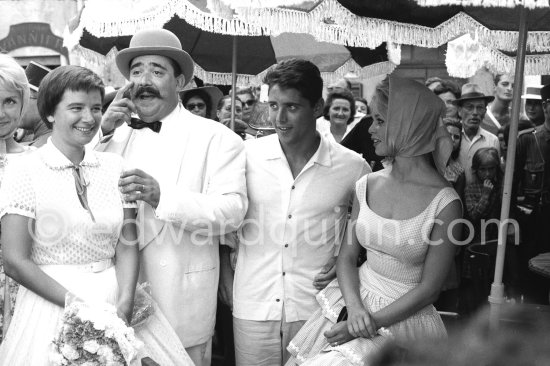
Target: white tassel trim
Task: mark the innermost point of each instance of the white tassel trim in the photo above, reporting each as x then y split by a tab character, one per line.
530	4
93	19
94	59
465	55
331	22
497	63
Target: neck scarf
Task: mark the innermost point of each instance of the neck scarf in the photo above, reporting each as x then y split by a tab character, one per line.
81	189
414	122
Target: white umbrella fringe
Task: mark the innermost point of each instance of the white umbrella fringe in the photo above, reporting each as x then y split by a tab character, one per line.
94	60
332	22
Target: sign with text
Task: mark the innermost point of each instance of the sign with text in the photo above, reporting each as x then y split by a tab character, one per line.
32	34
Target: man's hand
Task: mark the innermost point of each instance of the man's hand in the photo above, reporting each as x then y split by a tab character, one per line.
327	274
139	186
119	111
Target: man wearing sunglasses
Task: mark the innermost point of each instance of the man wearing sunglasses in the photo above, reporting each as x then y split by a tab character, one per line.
472	106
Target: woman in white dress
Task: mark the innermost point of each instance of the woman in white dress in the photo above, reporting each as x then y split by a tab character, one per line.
403	215
67	229
14	98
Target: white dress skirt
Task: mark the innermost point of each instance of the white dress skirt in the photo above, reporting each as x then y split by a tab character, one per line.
36	321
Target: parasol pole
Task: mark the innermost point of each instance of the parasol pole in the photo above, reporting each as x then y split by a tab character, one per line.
233	82
496	298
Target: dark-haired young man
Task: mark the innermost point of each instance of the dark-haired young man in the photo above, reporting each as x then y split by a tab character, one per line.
299	188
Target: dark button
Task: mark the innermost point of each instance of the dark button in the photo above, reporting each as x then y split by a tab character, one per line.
284	273
286	245
289	216
293	187
277	300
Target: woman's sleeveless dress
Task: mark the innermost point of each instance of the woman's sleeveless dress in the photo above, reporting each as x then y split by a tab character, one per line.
396	250
41	186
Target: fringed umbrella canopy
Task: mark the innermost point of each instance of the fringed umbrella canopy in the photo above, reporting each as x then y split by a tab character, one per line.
208	39
369	23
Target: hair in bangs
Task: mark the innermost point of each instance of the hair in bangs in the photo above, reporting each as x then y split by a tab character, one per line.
58	81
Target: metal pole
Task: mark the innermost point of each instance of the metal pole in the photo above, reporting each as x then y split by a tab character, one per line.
233	81
496	298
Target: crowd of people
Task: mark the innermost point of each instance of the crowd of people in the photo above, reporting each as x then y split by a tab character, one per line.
323	242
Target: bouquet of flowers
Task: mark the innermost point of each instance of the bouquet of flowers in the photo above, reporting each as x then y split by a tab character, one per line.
93	335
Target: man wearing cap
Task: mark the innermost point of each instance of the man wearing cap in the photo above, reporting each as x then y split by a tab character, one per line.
532	174
31	120
533	105
472	106
187	175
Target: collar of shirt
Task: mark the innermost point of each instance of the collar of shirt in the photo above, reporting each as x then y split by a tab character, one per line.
322	156
55	159
478	135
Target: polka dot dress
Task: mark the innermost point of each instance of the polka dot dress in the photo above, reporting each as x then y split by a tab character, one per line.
41	186
396	250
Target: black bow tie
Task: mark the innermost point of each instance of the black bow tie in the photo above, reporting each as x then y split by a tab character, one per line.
138	124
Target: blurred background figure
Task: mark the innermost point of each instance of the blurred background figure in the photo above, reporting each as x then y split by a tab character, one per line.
532	192
246	96
448	91
201	101
339	85
433	82
31	121
361	106
520	339
533	104
259	123
454	172
338	113
223	115
498	111
504	132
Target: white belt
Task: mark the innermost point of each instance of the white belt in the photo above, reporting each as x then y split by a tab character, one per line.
95	267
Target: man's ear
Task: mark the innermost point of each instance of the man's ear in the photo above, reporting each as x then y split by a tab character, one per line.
318	108
180	82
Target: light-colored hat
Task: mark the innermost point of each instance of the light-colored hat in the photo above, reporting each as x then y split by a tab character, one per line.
532	92
213	92
472	91
155	42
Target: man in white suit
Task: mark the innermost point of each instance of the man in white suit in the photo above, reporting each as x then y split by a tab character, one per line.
187	174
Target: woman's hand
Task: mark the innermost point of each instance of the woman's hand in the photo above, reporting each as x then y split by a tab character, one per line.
124	311
338	334
360	323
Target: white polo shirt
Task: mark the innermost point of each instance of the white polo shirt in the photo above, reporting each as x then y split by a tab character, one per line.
292	227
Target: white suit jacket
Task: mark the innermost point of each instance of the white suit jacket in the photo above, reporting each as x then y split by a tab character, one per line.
200	167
